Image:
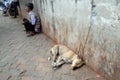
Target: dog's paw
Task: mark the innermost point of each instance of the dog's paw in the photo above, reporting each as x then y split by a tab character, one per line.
49	58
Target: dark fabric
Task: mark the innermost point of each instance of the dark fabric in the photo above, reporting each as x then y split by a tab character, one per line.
32	28
18	4
13	9
28	25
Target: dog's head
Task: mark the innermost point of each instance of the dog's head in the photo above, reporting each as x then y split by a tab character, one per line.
77	62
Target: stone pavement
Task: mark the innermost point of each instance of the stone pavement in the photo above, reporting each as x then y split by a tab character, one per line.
25	58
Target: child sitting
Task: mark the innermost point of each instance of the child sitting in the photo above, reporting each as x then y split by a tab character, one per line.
30	24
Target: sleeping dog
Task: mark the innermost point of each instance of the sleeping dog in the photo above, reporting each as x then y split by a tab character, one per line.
61	54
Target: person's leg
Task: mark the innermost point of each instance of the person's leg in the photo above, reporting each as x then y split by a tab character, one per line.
26	28
16	9
27	25
32	31
33	28
3	8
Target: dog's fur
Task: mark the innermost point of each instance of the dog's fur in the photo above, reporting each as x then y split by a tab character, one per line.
62	54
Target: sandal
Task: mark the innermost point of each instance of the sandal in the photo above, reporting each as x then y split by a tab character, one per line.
32	34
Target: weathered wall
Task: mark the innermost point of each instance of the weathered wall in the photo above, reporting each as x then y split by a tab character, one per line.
102	51
64	20
70	21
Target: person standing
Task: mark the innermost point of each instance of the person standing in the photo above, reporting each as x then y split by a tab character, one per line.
13	10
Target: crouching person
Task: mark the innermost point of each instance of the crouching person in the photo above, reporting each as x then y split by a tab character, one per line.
31	23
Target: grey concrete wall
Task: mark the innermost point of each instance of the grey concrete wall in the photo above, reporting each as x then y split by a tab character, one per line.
103	47
91	29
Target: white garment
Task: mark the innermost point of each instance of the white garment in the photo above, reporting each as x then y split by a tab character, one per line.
6	3
32	17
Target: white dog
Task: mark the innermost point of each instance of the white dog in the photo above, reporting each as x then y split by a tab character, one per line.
62	54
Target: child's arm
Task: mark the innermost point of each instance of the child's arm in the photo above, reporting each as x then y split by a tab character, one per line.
33	19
